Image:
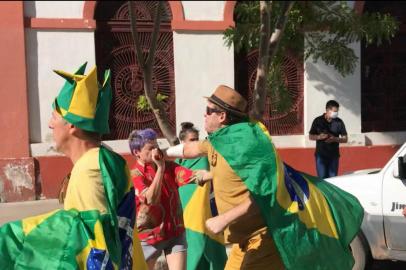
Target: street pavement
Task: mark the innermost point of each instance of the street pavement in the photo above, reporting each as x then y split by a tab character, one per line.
19	210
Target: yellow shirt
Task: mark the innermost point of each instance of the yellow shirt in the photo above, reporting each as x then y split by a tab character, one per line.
230	191
85	189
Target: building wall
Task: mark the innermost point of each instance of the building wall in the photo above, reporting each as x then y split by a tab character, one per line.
300	158
47	51
322	83
13	88
53	9
201	60
59	36
201	64
212	64
203	10
17	174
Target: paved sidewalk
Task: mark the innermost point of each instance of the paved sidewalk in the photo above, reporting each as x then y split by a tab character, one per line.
19	210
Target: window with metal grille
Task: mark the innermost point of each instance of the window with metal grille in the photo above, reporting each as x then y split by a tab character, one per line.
280	120
115	51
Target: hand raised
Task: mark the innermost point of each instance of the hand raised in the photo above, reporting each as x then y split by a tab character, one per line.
158	157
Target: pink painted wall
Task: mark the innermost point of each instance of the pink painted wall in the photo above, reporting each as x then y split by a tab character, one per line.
53	169
14	135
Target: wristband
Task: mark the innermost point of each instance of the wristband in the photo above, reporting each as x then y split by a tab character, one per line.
175	151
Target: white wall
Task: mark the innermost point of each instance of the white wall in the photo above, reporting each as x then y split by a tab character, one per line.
203	10
202	62
53	9
322	83
385	138
46	51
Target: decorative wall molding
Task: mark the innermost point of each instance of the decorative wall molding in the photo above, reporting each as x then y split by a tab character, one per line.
178	22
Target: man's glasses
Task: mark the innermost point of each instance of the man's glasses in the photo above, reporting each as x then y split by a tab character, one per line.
209	111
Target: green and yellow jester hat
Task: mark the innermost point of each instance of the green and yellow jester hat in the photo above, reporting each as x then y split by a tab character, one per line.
83	102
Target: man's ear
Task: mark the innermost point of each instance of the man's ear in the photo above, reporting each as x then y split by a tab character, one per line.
72	129
223	118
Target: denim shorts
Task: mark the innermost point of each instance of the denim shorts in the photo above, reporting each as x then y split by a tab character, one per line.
174	245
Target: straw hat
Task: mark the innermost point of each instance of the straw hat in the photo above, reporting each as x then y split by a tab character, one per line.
229	100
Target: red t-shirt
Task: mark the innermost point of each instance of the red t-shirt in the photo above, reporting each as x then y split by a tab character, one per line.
169	208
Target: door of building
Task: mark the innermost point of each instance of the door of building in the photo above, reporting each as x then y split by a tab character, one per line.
383	71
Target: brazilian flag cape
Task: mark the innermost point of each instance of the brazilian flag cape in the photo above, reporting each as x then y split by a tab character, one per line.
71	239
205	250
312	222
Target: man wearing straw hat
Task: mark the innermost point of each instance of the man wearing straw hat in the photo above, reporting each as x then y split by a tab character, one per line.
275	216
239	217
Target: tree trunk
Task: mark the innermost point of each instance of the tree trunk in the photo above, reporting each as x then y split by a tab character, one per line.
268	48
260	87
147	71
158	110
276	36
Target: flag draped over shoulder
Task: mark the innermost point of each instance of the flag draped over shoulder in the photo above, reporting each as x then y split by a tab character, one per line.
71	239
206	251
311	221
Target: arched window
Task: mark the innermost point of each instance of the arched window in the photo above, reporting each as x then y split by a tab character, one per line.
114	50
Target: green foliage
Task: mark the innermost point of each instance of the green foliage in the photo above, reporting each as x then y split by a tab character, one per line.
322	30
326	27
143	105
246	34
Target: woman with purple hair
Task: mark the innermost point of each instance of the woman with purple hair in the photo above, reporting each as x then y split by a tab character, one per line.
159	213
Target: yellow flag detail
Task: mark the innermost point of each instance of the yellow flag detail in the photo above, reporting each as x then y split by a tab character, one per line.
139	262
316	214
199	203
30	223
99	243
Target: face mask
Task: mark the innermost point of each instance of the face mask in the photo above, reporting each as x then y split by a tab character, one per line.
333	114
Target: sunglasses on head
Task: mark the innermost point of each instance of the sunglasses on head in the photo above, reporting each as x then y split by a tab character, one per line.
209	110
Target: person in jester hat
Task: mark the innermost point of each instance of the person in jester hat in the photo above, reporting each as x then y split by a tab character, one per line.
205	249
275	216
95	230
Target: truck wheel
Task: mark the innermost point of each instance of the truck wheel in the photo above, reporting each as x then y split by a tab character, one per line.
360	253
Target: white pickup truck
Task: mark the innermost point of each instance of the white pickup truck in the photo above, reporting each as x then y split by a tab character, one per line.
382	193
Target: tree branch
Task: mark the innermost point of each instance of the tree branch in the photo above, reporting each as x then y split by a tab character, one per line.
155	33
133	22
147	72
276	37
263	56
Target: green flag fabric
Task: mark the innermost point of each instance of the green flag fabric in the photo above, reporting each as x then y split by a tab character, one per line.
71	239
205	250
311	221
